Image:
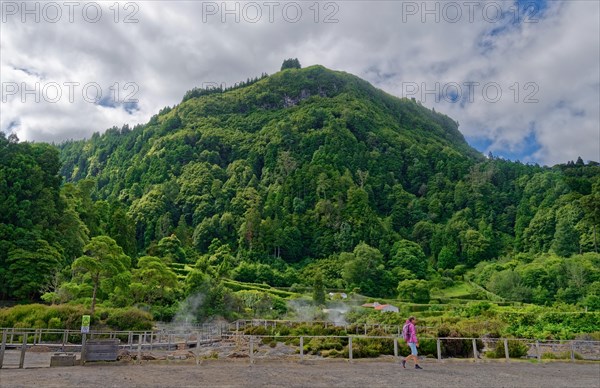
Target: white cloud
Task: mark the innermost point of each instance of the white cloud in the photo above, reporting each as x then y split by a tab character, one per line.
171	49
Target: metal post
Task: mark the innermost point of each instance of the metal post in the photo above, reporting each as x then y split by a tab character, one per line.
130	340
251	351
301	348
506	352
23	349
83	347
537	350
475	349
396	347
350	348
11	335
439	349
3	347
169	339
139	349
237	325
365	329
151	340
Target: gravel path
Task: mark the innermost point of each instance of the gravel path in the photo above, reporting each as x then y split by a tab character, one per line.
326	373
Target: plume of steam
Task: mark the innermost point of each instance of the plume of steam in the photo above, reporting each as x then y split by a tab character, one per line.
188	310
336	313
304	310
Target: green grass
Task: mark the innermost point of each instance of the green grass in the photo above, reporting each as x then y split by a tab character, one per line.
458	290
237	286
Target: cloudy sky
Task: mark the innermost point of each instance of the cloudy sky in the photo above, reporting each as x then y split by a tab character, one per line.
522	78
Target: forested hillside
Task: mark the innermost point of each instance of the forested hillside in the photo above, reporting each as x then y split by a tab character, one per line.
306	176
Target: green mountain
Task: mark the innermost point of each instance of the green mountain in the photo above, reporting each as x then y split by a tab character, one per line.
307	150
307	173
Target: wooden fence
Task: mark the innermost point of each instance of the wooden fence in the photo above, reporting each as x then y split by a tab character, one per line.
71	341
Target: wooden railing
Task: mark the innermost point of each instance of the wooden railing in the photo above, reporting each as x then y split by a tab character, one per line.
168	340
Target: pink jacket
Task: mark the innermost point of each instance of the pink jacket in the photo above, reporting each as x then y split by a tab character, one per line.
412	332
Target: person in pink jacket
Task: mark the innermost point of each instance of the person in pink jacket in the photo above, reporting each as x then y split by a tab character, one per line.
410	336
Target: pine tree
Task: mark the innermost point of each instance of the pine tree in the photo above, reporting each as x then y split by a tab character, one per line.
291	63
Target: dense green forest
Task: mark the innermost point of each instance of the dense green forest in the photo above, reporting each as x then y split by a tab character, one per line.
308	178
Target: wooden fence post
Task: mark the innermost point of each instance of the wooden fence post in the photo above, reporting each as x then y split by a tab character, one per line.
251	351
475	349
506	352
23	350
83	346
3	346
301	348
537	350
197	347
139	349
350	348
64	340
572	351
439	349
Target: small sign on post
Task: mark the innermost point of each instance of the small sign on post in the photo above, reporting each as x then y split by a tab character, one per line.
85	324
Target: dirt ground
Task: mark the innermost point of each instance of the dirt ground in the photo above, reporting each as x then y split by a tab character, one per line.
323	373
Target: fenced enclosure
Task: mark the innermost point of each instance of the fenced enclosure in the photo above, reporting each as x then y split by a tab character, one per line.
261	339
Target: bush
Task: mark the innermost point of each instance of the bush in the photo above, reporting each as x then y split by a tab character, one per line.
130	319
317	344
256	330
164	313
561	356
54	323
516	349
457	347
371	347
39	316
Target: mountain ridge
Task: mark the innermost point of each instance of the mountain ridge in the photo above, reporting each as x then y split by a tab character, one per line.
304	172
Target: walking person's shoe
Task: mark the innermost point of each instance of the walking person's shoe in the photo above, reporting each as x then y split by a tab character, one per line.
418	367
404	364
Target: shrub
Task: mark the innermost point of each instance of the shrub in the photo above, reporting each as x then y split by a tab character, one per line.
516	349
130	319
457	347
164	313
317	344
561	356
54	323
256	330
39	316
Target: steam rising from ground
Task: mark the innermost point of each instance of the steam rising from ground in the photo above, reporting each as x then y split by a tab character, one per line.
305	310
336	313
188	310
